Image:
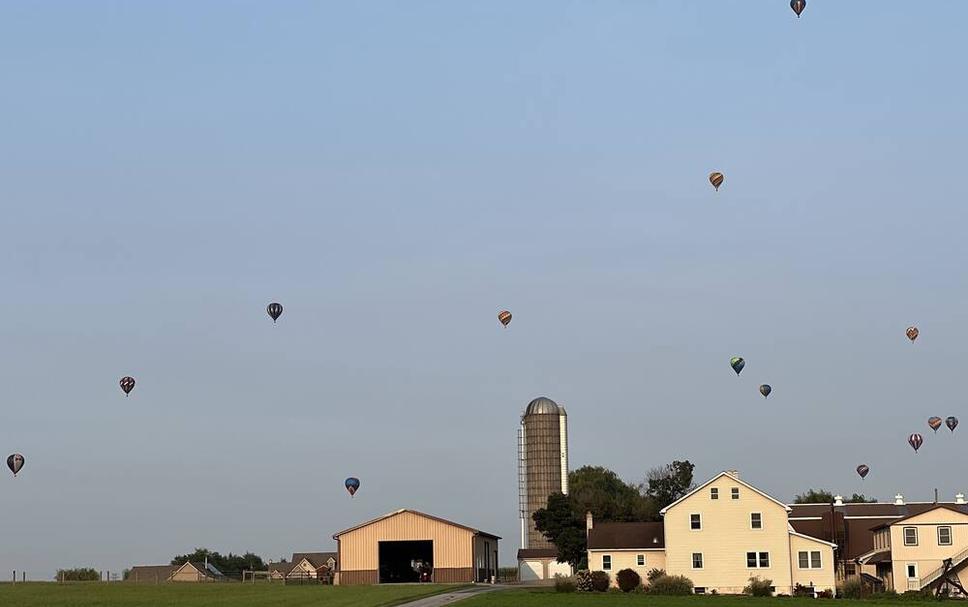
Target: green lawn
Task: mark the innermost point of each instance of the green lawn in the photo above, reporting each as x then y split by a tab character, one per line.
549	598
207	595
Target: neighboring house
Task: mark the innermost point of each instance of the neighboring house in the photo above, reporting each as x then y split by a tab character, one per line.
866	546
151	574
279	571
196	572
719	535
313	565
909	553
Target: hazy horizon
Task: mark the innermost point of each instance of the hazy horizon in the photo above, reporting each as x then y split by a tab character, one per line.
395	175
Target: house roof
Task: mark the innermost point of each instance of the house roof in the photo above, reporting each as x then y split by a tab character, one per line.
402	510
537	553
810	537
201	568
715	478
283	568
616	536
910	516
151	573
316	559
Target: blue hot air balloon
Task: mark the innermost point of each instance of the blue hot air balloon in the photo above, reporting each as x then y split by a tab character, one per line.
352	485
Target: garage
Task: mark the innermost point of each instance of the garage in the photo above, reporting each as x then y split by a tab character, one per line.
406	547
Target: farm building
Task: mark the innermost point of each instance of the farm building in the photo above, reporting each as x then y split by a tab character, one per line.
407	546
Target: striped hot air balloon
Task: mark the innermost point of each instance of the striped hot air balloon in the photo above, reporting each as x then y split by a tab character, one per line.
798	6
127	384
274	310
934	423
863	470
915	440
504	317
716	178
15	462
912	333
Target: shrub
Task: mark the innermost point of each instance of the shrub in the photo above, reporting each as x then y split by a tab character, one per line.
759	587
852	589
564	583
654	574
801	590
671	585
583	581
600	581
825	594
80	574
628	580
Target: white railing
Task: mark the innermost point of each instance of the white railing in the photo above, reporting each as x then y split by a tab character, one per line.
937	573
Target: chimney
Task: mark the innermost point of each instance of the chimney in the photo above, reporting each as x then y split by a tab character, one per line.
898	500
935	496
838	500
960	498
589	521
733	473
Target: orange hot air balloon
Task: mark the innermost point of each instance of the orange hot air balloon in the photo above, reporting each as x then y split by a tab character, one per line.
716	178
912	333
504	317
935	423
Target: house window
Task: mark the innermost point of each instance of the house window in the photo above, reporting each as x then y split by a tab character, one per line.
944	536
640	560
809	560
695	522
756	520
697	560
912	571
606	562
714	493
735	493
757	560
700	590
850	570
910	536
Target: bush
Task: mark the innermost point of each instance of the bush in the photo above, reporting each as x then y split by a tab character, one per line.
671	585
825	594
583	581
654	574
801	590
564	584
759	587
600	581
852	589
628	580
80	574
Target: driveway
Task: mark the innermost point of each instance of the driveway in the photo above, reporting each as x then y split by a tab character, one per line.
440	600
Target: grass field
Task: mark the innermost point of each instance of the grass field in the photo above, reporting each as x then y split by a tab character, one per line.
549	598
207	595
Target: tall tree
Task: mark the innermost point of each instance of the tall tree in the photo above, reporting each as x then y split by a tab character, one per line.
860	498
814	496
564	527
668	483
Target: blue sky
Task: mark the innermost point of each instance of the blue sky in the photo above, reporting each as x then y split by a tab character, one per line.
397	173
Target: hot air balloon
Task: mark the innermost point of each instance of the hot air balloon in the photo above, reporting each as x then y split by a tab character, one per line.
765	390
935	423
352	485
863	470
716	178
912	333
915	440
275	311
127	384
15	462
504	317
737	363
798	6
952	423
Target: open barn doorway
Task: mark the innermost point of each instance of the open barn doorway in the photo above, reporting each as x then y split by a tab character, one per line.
406	562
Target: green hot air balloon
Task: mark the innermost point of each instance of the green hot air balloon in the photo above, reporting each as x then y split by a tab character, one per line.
737	363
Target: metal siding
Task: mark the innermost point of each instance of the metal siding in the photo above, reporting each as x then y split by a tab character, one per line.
359	549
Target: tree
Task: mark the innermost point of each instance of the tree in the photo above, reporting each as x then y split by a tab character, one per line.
668	483
563	527
231	565
822	496
814	496
78	574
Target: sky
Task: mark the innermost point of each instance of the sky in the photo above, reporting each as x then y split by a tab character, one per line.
395	174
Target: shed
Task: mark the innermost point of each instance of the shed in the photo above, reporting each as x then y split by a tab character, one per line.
407	546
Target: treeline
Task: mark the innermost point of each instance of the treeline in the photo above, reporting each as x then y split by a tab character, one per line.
231	565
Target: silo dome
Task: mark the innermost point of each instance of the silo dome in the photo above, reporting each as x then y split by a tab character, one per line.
543	406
